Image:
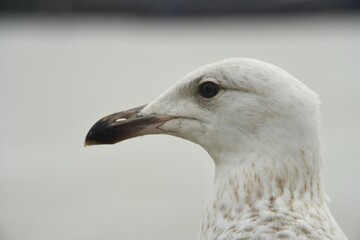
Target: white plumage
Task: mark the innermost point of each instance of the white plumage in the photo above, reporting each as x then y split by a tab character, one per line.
262	130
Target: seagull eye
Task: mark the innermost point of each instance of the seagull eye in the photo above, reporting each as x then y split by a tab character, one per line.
209	89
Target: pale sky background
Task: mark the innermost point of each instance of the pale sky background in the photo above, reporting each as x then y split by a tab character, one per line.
60	75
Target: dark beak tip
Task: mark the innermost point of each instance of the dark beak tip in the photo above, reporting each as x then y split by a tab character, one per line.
88	139
100	134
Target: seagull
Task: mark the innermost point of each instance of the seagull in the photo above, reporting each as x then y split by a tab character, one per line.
260	125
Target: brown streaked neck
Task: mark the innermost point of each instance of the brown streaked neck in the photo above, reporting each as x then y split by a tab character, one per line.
294	174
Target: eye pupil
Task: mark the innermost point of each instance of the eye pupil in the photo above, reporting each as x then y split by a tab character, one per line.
209	89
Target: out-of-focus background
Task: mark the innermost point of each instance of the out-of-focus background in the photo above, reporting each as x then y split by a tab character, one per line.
64	64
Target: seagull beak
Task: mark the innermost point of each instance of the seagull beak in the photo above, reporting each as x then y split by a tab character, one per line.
124	125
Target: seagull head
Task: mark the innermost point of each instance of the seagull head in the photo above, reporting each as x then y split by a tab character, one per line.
231	107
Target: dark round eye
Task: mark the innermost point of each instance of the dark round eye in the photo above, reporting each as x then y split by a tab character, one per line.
208	89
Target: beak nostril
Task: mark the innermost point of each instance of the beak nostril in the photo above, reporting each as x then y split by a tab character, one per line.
120	119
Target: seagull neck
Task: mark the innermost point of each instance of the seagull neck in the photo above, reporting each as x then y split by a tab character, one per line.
248	178
257	187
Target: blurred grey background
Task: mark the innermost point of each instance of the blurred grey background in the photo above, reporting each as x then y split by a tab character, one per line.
65	64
